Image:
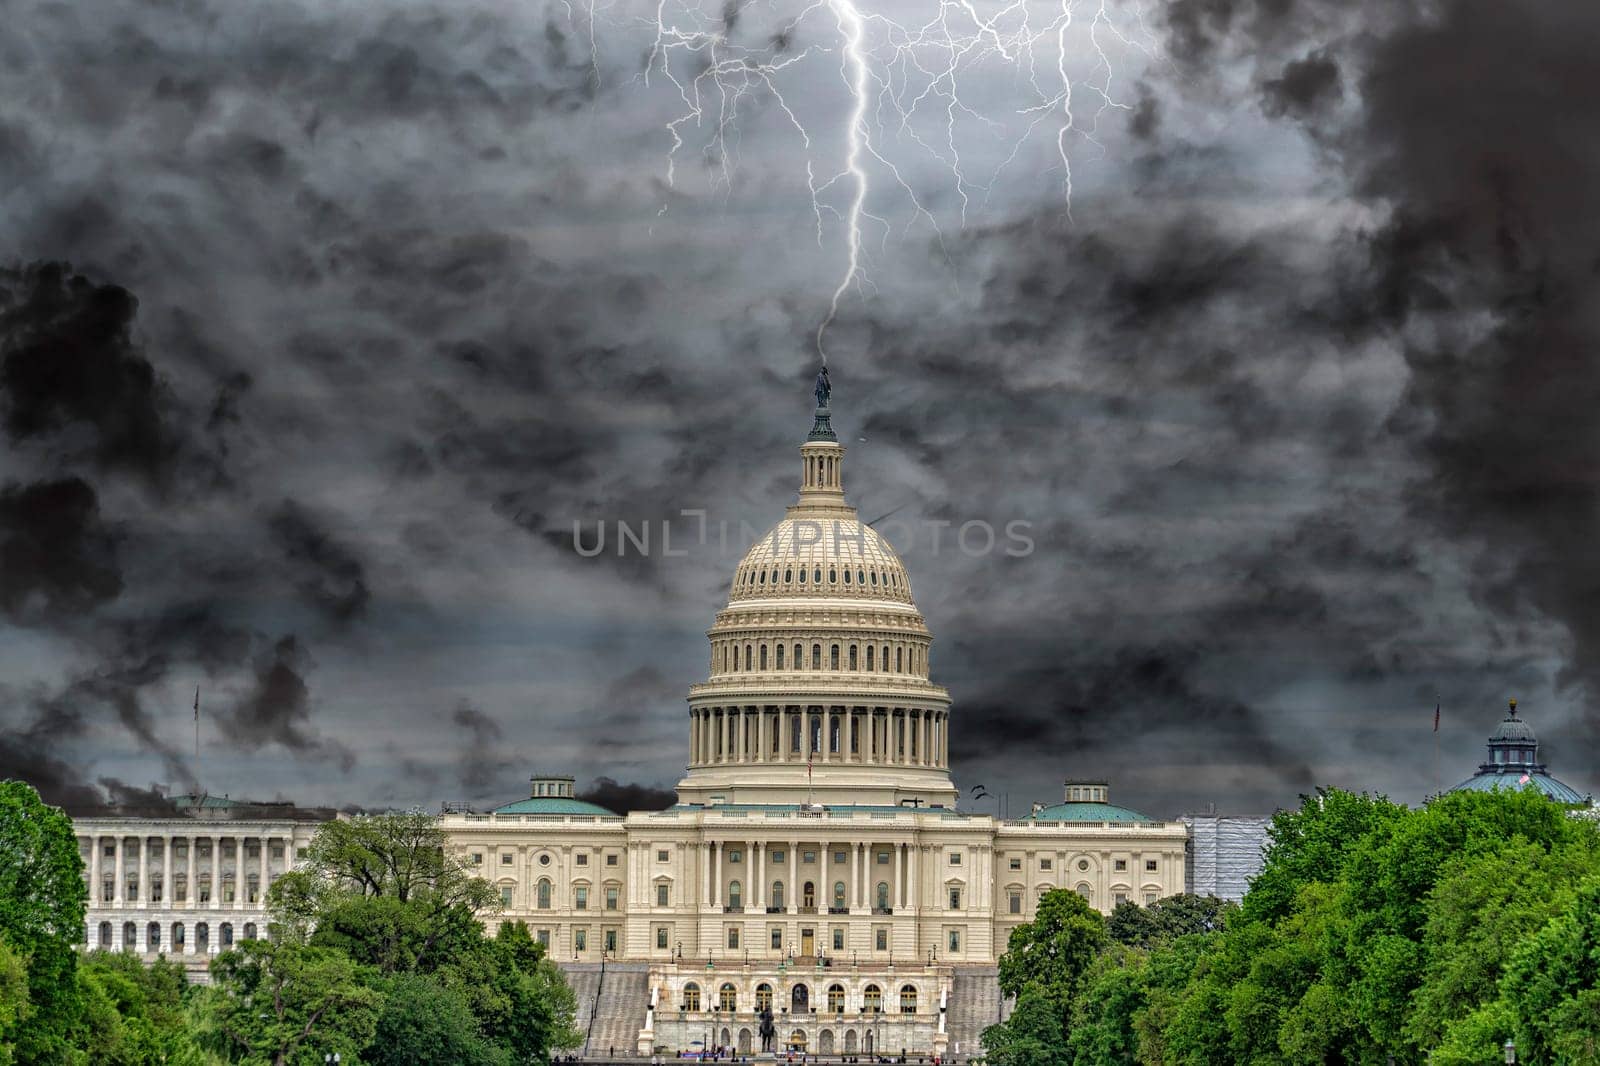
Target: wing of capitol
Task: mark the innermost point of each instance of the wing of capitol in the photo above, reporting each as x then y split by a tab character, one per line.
816	873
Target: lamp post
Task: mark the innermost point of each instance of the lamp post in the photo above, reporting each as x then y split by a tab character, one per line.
1511	1052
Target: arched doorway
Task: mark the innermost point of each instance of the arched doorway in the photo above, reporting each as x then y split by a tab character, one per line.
849	1041
105	935
867	1043
130	937
727	1038
744	1042
797	1040
800	1000
825	1042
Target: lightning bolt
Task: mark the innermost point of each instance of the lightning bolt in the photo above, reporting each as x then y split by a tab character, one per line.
905	86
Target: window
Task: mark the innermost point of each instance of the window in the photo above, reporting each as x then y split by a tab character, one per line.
476	859
611	940
727	998
1084	890
663	895
661	938
880	939
763	996
777	857
580	898
908	999
544	939
777	939
838	895
611	859
836	998
1119	865
839	857
1014	864
872	999
779	651
955	899
611	897
1149	898
838	938
505	895
580	940
883	896
581	859
1083	864
735	856
1014	902
883	858
735	895
808	856
833	660
544	893
955	940
1121	898
544	860
733	937
1150	865
506	858
1044	864
955	858
852	657
663	856
816	656
691	996
777	895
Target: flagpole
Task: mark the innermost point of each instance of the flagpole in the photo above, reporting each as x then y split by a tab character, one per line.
1436	783
197	735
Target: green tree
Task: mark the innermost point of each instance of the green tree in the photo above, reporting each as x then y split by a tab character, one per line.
136	1014
1313	843
1054	949
42	904
1167	919
1034	1035
398	855
282	1003
426	1021
1552	985
1110	998
14	1006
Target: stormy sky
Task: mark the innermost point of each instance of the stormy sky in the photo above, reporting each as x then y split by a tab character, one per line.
322	324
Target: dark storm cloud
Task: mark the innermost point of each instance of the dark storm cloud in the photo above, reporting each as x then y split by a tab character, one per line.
58	558
486	761
276	709
326	572
69	368
1305	87
622	798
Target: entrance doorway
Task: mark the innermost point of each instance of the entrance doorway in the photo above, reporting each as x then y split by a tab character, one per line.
808	941
800	1000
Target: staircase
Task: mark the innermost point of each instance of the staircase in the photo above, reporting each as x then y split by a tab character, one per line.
975	1004
613	999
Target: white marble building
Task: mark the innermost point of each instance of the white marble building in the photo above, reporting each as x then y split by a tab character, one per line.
816	863
189	884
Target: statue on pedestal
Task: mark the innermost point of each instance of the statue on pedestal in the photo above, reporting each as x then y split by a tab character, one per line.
824	388
768	1030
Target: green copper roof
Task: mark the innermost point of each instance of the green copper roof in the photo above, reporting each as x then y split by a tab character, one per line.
1512	779
1087	812
555	805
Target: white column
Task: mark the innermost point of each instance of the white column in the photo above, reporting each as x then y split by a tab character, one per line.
916	856
119	889
166	870
266	849
899	876
94	872
855	877
216	878
716	875
793	902
756	876
189	888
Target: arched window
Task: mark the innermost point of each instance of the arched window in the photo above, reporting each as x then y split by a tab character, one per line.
799	656
802	575
779	651
833	734
226	935
853	657
1084	890
847	577
838	894
152	937
899	660
727	997
834	659
816	575
202	936
884	658
691	996
249	930
105	935
816	656
777	894
763	656
833	576
544	893
874	577
816	731
869	657
861	577
808	895
130	936
799	1001
788	576
883	895
735	894
763	996
748	658
836	998
908	999
872	999
177	937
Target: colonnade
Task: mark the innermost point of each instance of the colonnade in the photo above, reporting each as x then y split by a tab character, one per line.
870	736
866	889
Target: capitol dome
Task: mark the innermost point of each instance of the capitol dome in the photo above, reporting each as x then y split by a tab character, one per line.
818	689
1514	764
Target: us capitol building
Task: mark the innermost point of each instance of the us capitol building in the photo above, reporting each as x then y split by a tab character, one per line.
816	864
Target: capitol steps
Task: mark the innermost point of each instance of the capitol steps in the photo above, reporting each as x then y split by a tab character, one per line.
612	1001
975	1004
